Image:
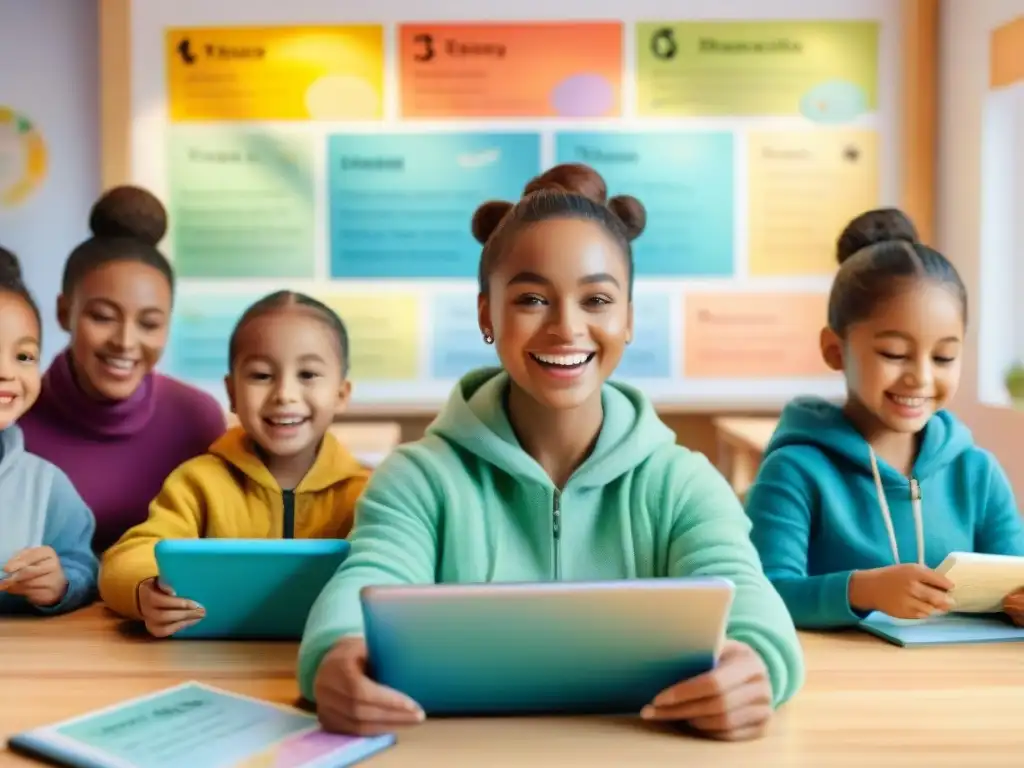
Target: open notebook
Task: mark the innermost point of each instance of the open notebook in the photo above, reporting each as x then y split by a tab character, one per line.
950	629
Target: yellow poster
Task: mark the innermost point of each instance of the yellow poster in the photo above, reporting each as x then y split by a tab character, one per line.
383	339
804	187
275	73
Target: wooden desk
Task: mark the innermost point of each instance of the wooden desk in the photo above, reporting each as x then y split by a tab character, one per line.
865	702
741	443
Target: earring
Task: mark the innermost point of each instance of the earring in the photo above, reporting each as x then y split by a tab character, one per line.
488	339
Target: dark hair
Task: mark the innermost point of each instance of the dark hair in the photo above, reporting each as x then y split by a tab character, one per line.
126	224
879	253
874	227
281	300
571	190
11	282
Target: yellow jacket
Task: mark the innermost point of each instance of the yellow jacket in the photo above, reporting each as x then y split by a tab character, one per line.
229	493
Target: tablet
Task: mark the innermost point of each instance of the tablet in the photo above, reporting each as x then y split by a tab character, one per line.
980	582
561	647
258	589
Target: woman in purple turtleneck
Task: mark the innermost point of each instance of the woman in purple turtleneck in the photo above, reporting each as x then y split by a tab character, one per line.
115	427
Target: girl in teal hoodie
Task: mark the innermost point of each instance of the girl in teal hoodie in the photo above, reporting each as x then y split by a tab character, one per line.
541	470
854	506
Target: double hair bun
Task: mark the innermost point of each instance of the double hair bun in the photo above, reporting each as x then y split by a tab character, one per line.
566	179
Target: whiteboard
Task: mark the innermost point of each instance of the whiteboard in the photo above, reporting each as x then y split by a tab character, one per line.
727	315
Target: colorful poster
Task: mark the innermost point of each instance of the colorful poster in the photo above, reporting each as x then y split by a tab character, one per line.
649	355
383	334
401	204
804	187
825	70
457	345
23	160
753	335
684	180
241	203
460	71
275	73
201	326
1007	54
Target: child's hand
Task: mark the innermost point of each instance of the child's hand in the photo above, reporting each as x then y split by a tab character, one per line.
732	702
1013	605
350	702
164	613
36	574
908	591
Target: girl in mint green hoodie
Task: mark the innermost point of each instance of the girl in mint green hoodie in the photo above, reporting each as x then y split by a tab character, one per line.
542	470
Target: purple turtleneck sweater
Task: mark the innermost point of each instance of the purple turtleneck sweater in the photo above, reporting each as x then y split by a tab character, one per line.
118	454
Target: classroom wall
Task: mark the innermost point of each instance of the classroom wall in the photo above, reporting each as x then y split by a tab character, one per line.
963	82
49	74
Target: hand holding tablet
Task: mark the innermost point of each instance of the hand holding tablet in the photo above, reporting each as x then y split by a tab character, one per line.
348	701
732	702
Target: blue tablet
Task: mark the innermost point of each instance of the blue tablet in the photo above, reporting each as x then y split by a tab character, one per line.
252	589
562	647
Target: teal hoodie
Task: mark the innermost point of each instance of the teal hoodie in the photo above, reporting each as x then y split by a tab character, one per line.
816	514
467	504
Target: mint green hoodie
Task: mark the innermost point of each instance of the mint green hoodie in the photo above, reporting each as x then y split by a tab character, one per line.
468	504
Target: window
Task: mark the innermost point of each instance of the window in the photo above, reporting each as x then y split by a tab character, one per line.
1001	313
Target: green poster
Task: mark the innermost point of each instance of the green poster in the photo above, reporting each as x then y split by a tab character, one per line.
241	203
824	70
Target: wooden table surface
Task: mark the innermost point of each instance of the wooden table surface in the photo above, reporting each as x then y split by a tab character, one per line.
865	702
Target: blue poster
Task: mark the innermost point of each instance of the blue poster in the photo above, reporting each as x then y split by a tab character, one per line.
684	180
200	330
649	355
457	344
401	204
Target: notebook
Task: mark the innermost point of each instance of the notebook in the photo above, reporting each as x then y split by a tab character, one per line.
197	726
950	629
981	582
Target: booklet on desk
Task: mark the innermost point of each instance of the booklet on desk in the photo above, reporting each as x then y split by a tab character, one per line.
950	629
197	726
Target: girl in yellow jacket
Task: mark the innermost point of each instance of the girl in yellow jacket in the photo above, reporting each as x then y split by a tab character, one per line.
281	474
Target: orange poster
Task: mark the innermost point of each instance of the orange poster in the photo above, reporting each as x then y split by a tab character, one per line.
564	69
1007	54
753	336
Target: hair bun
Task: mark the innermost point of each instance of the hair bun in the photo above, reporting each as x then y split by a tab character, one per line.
128	211
571	179
880	225
487	217
10	268
631	213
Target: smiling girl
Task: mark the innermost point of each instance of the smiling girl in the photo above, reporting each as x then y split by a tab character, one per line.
104	416
543	470
279	474
855	505
46	562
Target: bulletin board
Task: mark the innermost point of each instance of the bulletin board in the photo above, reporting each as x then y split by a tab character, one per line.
341	151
